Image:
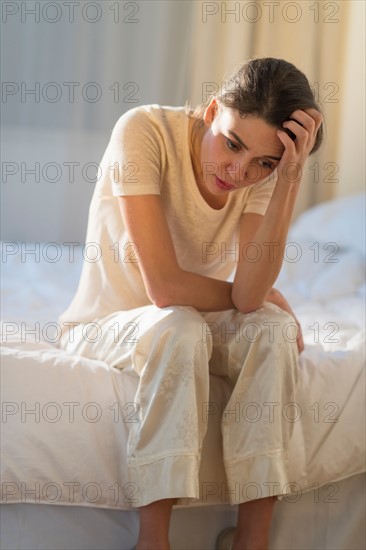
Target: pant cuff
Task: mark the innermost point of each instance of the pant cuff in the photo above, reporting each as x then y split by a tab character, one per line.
167	477
257	477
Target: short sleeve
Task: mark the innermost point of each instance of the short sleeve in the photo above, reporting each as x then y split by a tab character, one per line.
135	155
260	195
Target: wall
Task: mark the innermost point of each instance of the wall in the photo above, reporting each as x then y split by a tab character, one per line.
155	52
352	145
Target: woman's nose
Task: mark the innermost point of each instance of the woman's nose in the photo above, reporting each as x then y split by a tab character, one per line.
234	172
238	167
239	170
246	171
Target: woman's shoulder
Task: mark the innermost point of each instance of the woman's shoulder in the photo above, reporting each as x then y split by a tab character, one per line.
153	111
149	120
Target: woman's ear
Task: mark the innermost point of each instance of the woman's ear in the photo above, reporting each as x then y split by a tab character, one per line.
211	111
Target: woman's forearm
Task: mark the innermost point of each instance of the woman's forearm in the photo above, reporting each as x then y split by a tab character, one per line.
198	291
254	279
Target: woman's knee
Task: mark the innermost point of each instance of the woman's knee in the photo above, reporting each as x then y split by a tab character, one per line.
187	324
280	324
175	344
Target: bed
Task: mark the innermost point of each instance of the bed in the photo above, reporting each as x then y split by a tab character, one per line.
65	419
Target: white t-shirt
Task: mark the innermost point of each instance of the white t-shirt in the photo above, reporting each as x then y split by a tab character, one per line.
148	153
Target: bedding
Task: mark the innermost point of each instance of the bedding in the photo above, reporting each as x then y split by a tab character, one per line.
65	419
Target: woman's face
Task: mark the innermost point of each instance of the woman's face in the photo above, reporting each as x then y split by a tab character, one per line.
235	152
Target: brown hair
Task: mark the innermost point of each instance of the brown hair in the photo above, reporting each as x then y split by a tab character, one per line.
267	88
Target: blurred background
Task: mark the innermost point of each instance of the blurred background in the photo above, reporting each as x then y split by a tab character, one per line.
70	69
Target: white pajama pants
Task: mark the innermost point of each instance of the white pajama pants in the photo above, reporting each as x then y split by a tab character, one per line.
173	350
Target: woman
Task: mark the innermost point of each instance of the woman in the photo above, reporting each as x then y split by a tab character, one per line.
190	218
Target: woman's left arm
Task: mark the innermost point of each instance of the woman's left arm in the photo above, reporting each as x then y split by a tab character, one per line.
254	279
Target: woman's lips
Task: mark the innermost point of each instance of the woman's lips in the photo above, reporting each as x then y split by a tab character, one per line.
223	185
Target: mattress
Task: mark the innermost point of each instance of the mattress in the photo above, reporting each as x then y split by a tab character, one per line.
66	418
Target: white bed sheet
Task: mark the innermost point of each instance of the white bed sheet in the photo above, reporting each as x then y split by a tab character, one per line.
327	444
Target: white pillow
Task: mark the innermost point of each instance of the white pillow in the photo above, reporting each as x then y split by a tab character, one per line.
340	221
343	278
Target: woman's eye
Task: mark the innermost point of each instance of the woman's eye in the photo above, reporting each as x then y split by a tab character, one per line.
231	145
266	164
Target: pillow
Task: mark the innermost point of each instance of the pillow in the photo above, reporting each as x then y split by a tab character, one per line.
340	221
343	278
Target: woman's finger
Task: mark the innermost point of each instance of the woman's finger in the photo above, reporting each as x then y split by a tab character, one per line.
316	115
308	118
287	141
299	339
297	129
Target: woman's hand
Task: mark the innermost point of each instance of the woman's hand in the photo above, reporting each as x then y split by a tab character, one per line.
275	297
304	125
